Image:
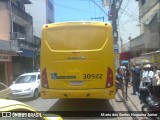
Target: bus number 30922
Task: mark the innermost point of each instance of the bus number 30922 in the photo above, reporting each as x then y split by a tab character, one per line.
92	76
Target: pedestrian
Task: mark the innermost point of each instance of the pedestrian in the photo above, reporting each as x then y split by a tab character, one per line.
144	73
156	82
119	82
151	74
123	68
133	79
127	76
148	76
136	80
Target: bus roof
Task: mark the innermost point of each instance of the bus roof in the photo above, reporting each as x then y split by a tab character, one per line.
70	23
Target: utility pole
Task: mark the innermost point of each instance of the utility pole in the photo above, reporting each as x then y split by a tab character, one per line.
114	21
114	6
11	19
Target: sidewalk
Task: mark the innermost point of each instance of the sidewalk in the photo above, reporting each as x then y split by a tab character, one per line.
133	103
134	99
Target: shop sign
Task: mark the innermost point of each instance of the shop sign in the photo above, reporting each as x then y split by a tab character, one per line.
116	49
4	58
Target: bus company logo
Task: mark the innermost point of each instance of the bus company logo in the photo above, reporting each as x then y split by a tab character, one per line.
55	76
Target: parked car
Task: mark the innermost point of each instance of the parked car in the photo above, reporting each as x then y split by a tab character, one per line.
26	86
15	110
5	91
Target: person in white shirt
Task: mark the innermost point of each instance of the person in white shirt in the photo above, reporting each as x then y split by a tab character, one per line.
156	82
147	75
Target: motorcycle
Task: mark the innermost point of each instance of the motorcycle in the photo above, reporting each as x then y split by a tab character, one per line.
150	107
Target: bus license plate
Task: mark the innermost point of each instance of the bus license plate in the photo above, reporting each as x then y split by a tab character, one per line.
76	83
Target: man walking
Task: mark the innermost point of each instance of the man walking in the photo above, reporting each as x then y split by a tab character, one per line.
137	78
136	71
133	79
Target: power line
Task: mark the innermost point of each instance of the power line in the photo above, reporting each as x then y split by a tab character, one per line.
134	10
125	23
94	10
126	30
99	7
80	10
124	9
89	8
101	10
132	19
137	18
129	14
122	2
129	5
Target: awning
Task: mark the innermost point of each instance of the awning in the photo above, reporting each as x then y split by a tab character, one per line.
27	53
145	61
26	1
125	56
124	62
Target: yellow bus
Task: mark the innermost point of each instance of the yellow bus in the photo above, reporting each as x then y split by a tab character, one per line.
77	60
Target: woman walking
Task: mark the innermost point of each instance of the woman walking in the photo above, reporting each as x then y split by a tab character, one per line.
119	81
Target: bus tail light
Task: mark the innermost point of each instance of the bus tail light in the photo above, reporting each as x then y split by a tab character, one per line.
109	80
44	78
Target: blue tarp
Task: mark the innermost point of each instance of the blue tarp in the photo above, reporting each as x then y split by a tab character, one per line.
28	53
124	62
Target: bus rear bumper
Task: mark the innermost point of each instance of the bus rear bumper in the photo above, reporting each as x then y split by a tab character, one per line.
90	93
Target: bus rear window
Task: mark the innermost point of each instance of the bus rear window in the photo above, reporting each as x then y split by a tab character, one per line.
76	38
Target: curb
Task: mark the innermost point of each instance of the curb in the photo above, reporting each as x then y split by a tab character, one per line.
129	108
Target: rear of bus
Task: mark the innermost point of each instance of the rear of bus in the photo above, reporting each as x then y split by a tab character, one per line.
77	60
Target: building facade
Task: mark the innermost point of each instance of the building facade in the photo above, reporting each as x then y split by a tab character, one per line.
149	40
17	43
46	15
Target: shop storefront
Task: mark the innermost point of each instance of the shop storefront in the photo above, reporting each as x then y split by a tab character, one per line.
24	62
6	73
151	58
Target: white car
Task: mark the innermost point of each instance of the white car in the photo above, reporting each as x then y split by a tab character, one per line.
26	86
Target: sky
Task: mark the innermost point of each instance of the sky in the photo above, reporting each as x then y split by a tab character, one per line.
128	22
73	10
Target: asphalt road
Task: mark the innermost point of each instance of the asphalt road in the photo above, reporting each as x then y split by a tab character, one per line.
94	106
40	104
